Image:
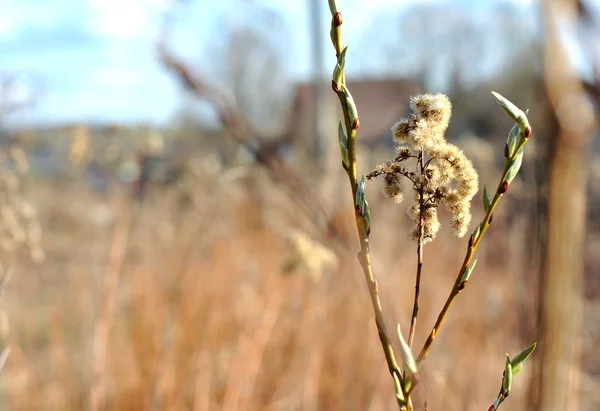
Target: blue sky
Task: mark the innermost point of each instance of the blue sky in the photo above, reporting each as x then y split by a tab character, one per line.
93	60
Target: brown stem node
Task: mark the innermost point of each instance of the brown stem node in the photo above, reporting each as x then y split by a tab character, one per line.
502	189
337	19
334	86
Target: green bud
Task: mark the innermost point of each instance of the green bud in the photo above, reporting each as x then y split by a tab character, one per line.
352	110
338	71
514	167
409	365
476	232
519	359
485	199
507	380
359	200
468	271
513	111
512	140
367	218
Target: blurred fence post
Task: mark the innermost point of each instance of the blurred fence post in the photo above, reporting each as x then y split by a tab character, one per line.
558	373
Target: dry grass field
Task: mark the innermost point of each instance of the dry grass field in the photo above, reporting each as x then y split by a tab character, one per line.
221	302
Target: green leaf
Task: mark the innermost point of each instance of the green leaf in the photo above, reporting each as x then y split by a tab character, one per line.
359	200
507	380
467	274
514	168
519	359
513	111
367	218
338	71
477	231
485	199
409	365
512	140
352	110
344	146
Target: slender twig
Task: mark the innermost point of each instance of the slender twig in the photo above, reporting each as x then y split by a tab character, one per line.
415	311
364	257
471	248
116	260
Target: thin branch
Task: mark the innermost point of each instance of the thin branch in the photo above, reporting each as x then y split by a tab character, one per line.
471	248
415	312
351	126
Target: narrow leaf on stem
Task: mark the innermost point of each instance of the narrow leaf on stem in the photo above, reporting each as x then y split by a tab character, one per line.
514	168
507	380
468	271
512	140
367	218
409	365
352	110
359	201
519	359
485	199
513	111
338	71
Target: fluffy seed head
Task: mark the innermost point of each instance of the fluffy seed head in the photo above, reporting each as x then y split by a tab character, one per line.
435	108
393	187
400	131
443	174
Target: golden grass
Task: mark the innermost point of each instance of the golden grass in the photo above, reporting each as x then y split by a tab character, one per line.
206	317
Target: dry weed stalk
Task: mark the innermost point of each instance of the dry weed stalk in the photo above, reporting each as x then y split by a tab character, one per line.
116	258
19	229
439	173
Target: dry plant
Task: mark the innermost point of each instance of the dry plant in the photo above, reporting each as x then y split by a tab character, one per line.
19	229
439	173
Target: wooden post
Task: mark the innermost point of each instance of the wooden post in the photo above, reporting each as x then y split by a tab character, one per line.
561	299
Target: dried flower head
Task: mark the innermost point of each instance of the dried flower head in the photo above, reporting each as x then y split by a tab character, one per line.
442	174
19	226
393	187
434	108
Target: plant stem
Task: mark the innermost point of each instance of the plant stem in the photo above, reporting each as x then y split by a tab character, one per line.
364	253
471	248
415	311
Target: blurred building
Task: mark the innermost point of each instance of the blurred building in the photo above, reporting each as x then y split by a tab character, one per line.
381	103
